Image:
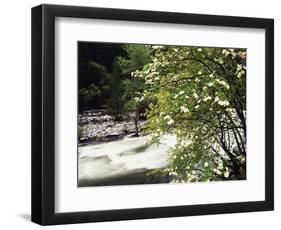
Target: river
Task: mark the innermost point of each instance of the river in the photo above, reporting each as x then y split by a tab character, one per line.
124	161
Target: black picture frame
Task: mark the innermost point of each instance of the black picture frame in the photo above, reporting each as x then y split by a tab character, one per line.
43	114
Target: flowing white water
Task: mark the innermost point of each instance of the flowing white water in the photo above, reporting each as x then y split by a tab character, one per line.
122	157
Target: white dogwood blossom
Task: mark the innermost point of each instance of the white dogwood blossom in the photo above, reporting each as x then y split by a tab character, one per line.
195	95
207	98
184	109
223	103
170	122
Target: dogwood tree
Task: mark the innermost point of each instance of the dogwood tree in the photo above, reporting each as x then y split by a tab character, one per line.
200	97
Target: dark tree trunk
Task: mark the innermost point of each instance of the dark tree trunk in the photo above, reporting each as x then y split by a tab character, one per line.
136	121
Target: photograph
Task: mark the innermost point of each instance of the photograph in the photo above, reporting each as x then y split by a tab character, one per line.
152	114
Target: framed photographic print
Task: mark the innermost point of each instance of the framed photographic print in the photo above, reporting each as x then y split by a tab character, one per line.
142	114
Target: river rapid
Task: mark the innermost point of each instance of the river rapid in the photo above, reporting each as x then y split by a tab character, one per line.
124	161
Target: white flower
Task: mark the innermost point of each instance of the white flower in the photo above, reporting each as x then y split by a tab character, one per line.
170	122
184	109
242	54
199	72
199	49
221	82
193	172
206	164
167	117
147	82
217	171
220	166
210	84
225	52
211	75
186	97
181	92
207	98
241	158
239	67
223	103
196	107
226	174
195	95
220	61
157	47
217	99
176	96
240	73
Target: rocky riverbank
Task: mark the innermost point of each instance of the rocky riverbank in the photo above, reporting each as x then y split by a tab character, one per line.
98	126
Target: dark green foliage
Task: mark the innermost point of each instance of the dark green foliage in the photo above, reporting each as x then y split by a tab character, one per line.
96	62
90	95
106	81
115	104
137	56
